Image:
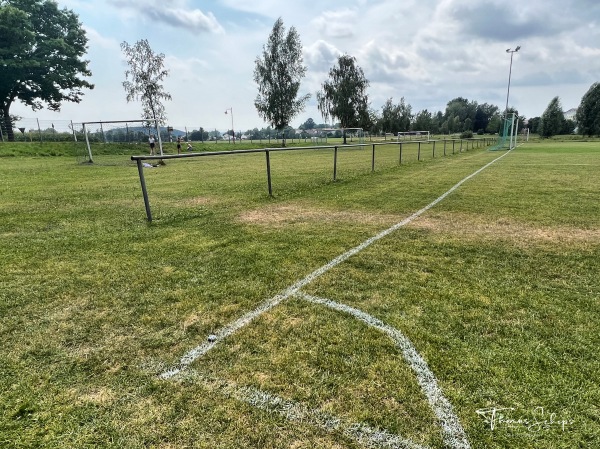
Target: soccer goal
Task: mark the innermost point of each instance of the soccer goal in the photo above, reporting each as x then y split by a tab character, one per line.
507	138
414	135
353	134
120	131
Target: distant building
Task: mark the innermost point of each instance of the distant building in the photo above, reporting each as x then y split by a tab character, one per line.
570	114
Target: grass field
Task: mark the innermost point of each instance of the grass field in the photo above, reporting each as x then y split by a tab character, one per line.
496	287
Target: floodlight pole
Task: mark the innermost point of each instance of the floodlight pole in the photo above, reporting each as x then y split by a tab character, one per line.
231	112
512	52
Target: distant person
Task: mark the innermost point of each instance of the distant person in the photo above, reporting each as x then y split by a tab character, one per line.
151	142
189	147
179	145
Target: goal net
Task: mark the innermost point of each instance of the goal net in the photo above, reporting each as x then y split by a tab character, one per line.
507	138
354	135
413	135
106	137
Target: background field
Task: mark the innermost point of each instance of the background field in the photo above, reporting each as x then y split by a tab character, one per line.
497	287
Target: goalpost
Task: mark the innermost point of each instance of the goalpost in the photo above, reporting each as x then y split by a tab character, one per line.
418	135
354	132
507	139
121	123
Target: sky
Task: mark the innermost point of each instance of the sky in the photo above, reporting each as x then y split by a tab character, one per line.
425	51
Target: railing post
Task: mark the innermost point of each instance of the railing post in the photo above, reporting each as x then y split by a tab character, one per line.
400	153
460	149
335	163
444	147
433	152
373	159
144	190
453	142
419	152
269	172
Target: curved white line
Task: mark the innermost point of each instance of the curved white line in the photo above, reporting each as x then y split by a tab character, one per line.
453	433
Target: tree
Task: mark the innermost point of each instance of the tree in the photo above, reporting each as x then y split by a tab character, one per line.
395	118
495	124
468	125
343	96
569	127
308	124
483	116
40	57
369	120
534	125
438	120
457	111
588	113
143	79
552	120
199	135
444	127
423	121
278	73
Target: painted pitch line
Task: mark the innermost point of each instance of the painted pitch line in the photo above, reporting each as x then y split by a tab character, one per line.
359	432
452	431
246	319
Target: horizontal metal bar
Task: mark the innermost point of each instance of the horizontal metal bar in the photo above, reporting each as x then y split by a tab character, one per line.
262	150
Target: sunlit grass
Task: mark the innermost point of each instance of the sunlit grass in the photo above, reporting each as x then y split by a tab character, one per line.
496	287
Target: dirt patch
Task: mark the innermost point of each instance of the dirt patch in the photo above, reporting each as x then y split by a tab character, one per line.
99	396
475	226
458	224
296	214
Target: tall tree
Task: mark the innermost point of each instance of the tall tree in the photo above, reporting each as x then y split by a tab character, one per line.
278	72
423	121
552	120
369	120
397	117
308	124
458	110
588	113
344	95
534	124
143	79
41	50
389	117
495	124
483	115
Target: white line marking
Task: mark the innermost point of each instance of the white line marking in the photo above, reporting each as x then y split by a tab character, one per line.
294	411
246	319
454	435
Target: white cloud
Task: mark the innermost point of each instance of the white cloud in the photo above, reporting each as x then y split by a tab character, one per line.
175	13
337	24
95	39
320	56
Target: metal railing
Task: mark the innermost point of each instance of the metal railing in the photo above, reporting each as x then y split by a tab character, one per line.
267	151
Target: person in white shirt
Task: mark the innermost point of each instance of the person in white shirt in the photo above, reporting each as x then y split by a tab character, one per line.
151	142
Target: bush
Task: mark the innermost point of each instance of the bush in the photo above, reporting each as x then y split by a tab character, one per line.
466	135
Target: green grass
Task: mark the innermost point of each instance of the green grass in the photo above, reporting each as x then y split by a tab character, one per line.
496	287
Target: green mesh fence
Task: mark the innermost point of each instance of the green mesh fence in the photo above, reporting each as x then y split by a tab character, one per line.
505	137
